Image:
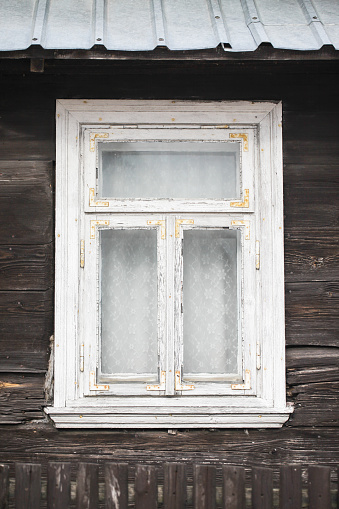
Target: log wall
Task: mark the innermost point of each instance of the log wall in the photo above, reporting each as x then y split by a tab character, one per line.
309	91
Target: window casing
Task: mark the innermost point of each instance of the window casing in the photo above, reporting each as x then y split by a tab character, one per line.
169	264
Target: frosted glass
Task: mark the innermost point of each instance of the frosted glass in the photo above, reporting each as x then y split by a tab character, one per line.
129	301
181	170
210	301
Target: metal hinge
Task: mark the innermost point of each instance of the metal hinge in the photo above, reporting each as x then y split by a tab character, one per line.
258	356
257	254
246	385
158	387
93	386
179	386
159	222
82	357
82	254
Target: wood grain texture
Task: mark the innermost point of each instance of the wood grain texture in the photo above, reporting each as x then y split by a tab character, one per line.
26	202
290	494
262	488
58	485
319	494
27	486
87	494
21	397
116	485
28	267
233	487
204	483
174	485
145	487
4	487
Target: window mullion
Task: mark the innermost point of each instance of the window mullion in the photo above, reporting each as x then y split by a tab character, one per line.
170	305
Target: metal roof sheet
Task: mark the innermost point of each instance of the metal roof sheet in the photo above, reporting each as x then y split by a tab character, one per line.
142	25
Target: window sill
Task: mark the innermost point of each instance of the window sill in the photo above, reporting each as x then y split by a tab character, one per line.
111	417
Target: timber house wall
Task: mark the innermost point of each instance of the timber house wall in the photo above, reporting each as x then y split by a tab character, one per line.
309	92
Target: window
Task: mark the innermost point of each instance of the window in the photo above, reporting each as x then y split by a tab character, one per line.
169	265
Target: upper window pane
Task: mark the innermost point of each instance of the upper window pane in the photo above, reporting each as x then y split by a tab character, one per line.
172	170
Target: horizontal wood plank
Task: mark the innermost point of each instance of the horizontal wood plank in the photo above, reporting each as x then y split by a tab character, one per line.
26	202
303	174
21	397
312	255
28	267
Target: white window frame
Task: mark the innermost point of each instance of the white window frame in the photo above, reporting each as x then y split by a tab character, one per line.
259	399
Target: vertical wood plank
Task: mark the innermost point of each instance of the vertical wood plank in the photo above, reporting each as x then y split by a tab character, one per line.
290	487
27	486
204	493
116	485
87	486
58	485
145	488
262	488
174	485
4	486
319	494
234	487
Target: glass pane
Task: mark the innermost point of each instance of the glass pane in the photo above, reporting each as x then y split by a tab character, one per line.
210	304
129	301
180	170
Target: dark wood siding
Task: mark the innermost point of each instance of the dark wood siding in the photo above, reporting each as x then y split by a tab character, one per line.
309	92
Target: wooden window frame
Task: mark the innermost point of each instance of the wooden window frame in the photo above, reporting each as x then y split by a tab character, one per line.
259	399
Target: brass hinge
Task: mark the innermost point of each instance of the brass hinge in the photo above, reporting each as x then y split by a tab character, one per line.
82	254
258	356
160	222
246	385
257	254
93	386
179	222
95	223
93	203
82	357
246	224
245	203
179	386
158	387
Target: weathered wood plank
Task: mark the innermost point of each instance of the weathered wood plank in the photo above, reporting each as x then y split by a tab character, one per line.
58	485
26	202
204	484
87	492
4	487
26	323
26	267
21	398
262	488
174	485
116	485
311	255
299	151
27	486
145	487
290	492
234	487
300	331
312	364
315	404
311	207
310	175
319	494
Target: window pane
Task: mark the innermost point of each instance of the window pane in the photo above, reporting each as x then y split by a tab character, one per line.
210	304
129	301
181	170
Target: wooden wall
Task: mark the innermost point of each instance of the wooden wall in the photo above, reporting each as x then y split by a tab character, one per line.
309	92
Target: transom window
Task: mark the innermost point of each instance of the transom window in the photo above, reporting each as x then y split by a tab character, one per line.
170	273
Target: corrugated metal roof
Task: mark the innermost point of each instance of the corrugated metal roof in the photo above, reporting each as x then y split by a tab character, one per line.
142	25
